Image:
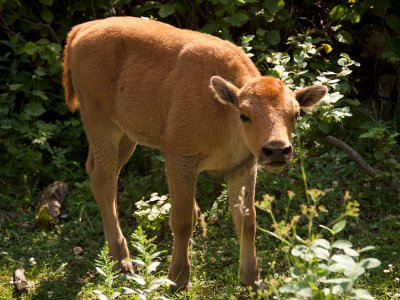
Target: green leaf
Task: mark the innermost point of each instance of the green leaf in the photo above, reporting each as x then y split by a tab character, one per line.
153	266
273	37
370	263
342	244
288	288
211	27
30	48
321	253
393	22
4	111
324	127
339	226
156	254
102	297
343	259
274	6
54	47
338	12
322	243
238	18
355	16
167	10
47	15
351	252
115	295
368	248
40	71
337	280
305	292
34	109
15	86
353	102
345	55
260	32
138	262
342	61
327	228
379	154
40	94
127	291
361	294
138	279
101	272
344	36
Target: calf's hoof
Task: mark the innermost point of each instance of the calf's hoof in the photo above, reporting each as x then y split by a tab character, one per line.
255	283
125	266
180	287
258	285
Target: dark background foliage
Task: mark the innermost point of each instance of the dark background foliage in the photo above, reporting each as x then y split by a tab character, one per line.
40	141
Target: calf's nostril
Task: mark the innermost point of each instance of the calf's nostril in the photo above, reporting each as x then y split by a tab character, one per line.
287	150
268	151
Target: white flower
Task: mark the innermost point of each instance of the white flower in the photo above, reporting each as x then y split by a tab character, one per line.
32	261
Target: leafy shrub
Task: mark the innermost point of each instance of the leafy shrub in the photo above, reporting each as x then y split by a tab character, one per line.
319	268
151	213
383	146
143	284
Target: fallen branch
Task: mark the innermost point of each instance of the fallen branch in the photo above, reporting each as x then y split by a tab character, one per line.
371	171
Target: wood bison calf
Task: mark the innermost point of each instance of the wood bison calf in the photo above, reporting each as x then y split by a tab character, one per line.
198	99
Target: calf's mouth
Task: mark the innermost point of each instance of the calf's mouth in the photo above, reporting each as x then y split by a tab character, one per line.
275	167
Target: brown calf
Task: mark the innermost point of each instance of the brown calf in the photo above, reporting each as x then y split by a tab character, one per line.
198	99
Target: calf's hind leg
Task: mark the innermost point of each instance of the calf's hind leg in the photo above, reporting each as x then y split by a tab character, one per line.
109	150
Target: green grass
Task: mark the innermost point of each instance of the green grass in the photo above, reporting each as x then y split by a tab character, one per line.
60	274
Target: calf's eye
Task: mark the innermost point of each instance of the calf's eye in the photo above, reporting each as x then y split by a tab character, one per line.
244	118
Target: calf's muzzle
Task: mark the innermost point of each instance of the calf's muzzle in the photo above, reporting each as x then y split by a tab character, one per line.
276	155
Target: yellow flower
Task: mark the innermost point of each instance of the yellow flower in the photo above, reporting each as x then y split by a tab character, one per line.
352	209
291	194
327	48
322	208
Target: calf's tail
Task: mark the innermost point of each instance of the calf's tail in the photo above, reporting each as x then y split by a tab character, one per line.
70	94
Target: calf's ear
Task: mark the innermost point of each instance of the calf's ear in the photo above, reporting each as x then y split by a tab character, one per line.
310	96
224	90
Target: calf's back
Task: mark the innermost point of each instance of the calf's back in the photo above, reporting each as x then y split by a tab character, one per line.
152	81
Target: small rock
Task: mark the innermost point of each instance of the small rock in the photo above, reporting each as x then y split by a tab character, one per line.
78	250
20	281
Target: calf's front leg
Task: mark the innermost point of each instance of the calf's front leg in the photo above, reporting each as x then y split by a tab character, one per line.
244	217
183	215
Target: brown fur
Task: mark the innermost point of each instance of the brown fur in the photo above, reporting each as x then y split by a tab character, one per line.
139	81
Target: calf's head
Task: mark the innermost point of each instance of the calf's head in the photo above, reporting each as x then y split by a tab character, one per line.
267	112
